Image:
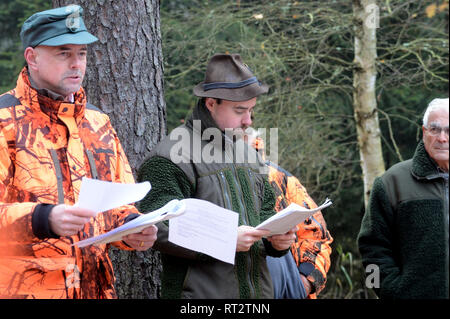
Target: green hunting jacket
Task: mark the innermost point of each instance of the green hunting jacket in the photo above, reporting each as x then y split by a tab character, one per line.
405	230
181	167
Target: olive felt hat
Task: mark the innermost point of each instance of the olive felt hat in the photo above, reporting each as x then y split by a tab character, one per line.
56	27
229	78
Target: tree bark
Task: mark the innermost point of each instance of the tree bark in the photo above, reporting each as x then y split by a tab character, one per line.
124	78
364	98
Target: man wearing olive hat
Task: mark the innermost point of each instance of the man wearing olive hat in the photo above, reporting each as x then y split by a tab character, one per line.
50	138
220	170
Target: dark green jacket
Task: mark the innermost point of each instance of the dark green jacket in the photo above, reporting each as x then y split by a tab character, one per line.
405	230
178	168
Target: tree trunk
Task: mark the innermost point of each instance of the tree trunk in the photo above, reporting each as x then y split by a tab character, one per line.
124	78
364	100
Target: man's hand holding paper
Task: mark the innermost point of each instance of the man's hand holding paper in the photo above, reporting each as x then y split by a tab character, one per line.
65	220
143	240
283	241
98	196
247	236
294	214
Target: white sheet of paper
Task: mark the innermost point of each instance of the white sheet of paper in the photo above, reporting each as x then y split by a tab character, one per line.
172	209
289	217
206	228
101	196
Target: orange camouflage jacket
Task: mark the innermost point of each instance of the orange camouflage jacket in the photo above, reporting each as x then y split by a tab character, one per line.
311	249
46	147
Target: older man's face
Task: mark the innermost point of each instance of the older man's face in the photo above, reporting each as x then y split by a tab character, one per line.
436	145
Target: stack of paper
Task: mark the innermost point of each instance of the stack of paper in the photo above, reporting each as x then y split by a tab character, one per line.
171	209
200	225
206	228
101	196
289	217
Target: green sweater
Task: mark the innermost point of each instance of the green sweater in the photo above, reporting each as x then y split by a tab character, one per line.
405	230
233	185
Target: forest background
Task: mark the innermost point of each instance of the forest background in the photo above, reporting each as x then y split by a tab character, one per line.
305	51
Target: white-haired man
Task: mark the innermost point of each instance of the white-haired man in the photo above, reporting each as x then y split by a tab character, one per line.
404	232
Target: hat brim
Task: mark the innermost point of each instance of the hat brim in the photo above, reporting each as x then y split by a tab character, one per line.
82	37
236	95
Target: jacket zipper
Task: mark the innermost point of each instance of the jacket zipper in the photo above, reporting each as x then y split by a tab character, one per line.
59	178
240	196
245	220
252	182
225	191
238	193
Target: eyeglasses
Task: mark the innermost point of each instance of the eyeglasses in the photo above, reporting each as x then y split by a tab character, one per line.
436	130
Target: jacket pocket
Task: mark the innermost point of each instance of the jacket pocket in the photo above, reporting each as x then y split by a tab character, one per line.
101	163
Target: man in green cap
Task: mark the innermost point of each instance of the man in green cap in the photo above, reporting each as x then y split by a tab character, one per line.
52	39
50	138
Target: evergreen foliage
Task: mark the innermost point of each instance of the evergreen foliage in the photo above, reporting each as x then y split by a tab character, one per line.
12	15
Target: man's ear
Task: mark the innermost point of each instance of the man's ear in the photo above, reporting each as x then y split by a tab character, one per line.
30	56
210	103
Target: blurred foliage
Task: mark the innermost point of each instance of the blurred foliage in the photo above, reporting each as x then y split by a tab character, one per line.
12	15
304	51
